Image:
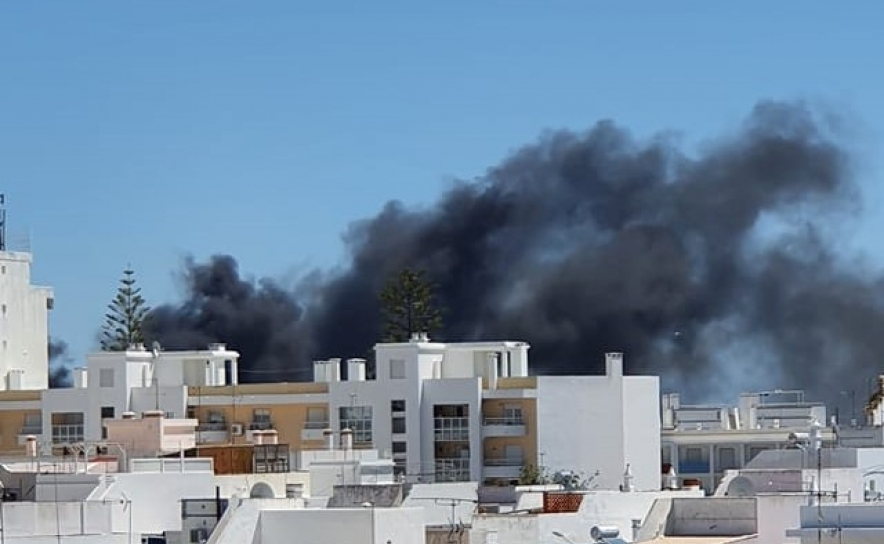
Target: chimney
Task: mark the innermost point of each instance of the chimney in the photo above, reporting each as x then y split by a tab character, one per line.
128	415
80	378
614	364
329	436
334	369
347	439
153	414
491	370
356	370
217	346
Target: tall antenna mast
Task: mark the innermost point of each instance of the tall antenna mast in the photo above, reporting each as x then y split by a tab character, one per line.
2	222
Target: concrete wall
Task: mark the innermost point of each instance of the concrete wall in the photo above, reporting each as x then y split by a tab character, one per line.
155	498
242	484
599	424
354	526
23	323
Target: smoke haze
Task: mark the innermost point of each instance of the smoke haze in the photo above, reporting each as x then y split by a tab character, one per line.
705	268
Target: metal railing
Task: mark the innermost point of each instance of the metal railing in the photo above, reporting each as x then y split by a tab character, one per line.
452	470
503	421
212	426
31	429
62	434
260	425
321	425
504	462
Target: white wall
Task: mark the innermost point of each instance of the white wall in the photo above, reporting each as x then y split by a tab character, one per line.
641	429
354	526
24	329
155	498
601	423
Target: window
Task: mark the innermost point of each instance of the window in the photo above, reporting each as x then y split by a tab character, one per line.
358	420
67	427
727	458
107	412
397	369
399	447
4	309
199	535
106	377
3	269
261	419
33	424
398	425
397	405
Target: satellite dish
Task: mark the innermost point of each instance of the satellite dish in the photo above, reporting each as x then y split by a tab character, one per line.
741	486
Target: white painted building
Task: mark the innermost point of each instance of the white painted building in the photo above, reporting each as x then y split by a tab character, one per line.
701	442
136	380
470	411
24	334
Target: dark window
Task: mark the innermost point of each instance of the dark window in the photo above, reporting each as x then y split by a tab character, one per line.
107	412
398	425
399	447
397	405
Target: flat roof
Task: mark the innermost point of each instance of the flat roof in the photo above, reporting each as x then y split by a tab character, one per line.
701	539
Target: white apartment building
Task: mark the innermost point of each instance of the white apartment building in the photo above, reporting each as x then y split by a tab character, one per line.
24	335
701	442
441	411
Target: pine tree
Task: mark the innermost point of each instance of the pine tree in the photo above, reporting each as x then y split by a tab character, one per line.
122	325
409	306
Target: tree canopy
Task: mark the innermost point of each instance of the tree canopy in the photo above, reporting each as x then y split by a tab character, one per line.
123	321
409	306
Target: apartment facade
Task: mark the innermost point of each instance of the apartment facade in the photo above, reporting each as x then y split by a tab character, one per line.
24	353
440	411
701	442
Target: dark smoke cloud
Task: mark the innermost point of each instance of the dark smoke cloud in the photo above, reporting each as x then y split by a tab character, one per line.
260	319
705	268
59	364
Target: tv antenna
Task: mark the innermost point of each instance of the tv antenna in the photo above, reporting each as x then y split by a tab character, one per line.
2	222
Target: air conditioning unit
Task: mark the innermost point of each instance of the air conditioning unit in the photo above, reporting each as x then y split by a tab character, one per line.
236	429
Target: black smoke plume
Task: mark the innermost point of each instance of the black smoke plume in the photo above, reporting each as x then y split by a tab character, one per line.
708	267
59	364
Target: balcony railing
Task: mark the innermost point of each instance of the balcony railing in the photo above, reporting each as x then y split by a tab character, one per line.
63	434
693	467
212	426
31	429
453	469
260	425
504	462
314	425
503	421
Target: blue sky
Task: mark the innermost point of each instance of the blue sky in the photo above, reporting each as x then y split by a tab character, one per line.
140	132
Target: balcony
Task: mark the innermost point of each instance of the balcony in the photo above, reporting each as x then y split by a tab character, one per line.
213	432
314	430
67	434
261	425
493	427
452	469
452	429
503	467
30	430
